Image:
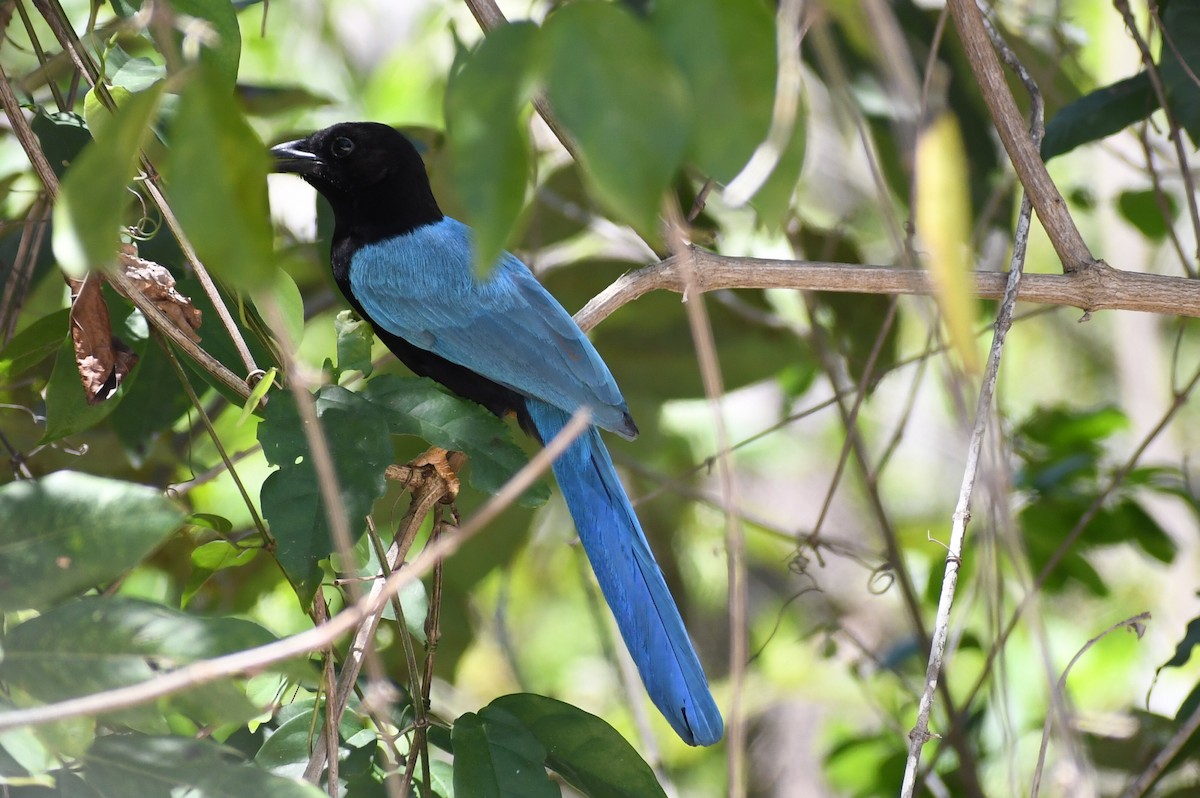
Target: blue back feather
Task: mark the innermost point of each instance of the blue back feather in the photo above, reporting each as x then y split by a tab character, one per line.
421	287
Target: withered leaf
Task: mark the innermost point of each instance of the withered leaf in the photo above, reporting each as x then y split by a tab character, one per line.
103	359
159	287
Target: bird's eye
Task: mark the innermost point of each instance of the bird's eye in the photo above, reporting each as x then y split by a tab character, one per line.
341	147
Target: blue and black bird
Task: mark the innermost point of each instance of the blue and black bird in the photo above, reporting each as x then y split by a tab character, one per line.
502	341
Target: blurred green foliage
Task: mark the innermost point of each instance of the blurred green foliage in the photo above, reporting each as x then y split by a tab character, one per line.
129	547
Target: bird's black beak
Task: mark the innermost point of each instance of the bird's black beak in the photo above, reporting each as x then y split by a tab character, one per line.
295	157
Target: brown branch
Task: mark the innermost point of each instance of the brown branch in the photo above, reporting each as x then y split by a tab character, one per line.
1026	160
1097	286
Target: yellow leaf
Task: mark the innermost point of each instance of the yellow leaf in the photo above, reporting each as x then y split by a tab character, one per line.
944	228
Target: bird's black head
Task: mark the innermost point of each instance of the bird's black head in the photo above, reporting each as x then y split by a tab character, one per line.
371	174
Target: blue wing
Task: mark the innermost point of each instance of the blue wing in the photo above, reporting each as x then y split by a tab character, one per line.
507	327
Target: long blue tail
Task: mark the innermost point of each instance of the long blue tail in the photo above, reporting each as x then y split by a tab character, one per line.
631	581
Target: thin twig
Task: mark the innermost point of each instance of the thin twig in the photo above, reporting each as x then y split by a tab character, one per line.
1134	623
735	544
1175	132
962	513
53	13
257	659
33	150
1156	767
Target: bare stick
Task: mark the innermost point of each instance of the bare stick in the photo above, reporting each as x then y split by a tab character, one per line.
962	513
1098	287
735	544
255	660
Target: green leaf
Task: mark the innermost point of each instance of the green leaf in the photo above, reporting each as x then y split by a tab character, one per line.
1099	114
354	339
225	52
1141	209
33	344
256	395
152	408
207	559
287	751
356	432
93	196
497	757
419	406
282	291
725	49
487	135
1184	648
104	642
774	200
944	225
164	767
1180	63
623	102
96	113
217	174
586	751
67	532
63	135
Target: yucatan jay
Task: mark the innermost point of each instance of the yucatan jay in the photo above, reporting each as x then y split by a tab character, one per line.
506	343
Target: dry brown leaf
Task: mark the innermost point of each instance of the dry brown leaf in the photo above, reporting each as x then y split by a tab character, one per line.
159	287
103	359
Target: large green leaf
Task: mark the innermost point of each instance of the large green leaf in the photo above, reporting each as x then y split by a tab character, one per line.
487	135
495	756
217	173
1180	63
1098	114
624	103
104	642
418	406
588	753
93	194
725	49
66	532
356	432
141	766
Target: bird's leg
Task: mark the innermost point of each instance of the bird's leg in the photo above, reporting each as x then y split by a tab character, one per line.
436	461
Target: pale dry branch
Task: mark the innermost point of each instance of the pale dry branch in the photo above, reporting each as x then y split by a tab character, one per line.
962	512
1094	287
